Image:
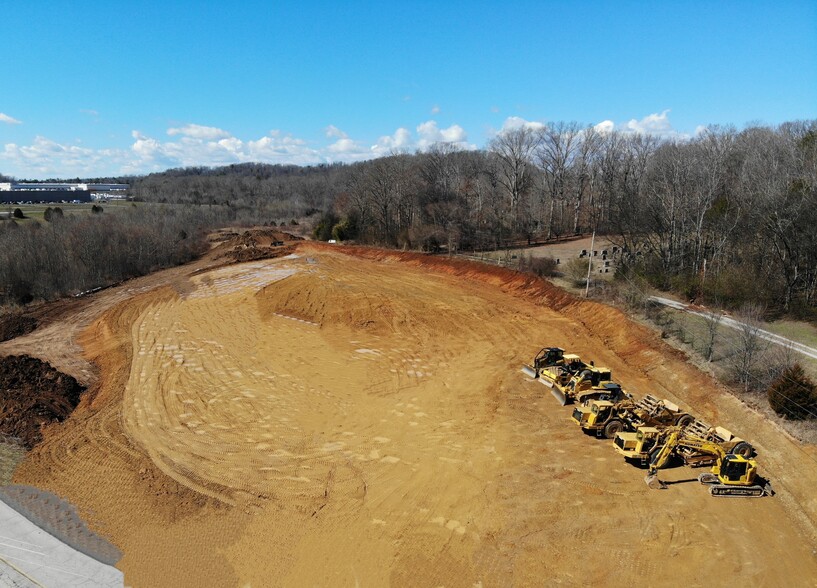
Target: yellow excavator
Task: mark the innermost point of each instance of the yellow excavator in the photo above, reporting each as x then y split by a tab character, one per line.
732	474
643	444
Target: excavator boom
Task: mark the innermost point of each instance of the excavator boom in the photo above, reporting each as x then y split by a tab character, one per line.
732	475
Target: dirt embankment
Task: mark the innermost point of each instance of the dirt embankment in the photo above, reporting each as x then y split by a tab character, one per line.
33	395
386	436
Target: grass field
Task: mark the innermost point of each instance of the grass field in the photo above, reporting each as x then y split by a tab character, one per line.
34	212
692	330
805	333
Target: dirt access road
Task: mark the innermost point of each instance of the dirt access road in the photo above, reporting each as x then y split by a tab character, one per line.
355	417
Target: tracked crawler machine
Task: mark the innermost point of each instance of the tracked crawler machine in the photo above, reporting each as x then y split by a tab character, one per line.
732	474
548	357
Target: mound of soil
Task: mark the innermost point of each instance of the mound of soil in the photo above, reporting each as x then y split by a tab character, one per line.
14	325
240	255
263	238
256	244
33	394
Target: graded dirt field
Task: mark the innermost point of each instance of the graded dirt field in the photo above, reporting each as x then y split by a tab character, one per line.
355	417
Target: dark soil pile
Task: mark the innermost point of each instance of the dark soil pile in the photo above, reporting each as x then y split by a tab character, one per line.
33	394
14	325
256	253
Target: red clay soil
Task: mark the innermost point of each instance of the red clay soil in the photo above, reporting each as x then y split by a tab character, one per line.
33	395
387	437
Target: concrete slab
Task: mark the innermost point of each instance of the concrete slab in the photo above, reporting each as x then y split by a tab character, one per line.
31	557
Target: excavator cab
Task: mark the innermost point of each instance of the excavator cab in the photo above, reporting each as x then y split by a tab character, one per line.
735	469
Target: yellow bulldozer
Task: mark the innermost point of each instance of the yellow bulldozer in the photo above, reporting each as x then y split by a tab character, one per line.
552	363
732	474
570	379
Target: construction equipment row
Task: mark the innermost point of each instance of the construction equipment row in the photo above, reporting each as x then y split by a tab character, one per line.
650	431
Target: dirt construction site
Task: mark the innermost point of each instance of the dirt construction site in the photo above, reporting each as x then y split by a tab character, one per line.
341	416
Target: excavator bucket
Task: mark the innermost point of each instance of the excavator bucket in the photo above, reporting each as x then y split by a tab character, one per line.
653	482
558	394
529	371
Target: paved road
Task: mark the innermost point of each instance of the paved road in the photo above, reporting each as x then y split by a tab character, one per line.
737	325
31	557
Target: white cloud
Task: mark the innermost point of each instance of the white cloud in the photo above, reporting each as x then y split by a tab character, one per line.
196	145
9	119
345	146
401	139
429	134
435	109
652	124
89	111
198	132
656	124
516	122
333	131
45	157
605	127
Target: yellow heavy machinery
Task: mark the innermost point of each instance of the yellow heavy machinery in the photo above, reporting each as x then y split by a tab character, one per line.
591	383
731	475
606	419
553	363
643	445
570	378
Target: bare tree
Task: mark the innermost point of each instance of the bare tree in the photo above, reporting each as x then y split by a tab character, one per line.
513	149
712	319
749	345
555	148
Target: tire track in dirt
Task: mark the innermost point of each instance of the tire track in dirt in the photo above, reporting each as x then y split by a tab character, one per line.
402	446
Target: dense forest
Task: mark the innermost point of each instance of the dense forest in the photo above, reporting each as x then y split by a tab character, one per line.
727	215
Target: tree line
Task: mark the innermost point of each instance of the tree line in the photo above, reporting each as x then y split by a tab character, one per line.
72	253
726	215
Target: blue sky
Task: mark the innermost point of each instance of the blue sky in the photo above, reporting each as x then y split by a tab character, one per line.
97	88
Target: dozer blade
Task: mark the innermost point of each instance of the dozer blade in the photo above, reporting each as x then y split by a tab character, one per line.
653	482
558	395
529	371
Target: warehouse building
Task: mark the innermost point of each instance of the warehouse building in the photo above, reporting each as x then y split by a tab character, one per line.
59	192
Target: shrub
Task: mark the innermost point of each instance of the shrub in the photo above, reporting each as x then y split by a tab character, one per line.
544	267
323	230
576	271
793	395
18	213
